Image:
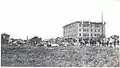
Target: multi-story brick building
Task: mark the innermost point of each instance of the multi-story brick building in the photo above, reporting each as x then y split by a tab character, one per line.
84	29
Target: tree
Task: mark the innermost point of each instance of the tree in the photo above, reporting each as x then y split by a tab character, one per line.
35	40
40	39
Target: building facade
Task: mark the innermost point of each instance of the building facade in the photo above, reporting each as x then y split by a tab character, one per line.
84	29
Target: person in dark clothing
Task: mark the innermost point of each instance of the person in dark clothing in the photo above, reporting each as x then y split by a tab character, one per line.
91	43
114	43
107	43
99	41
117	42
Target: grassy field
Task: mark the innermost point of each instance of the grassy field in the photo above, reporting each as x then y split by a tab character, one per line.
69	56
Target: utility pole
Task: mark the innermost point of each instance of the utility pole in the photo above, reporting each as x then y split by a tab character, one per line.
102	17
102	26
102	22
27	40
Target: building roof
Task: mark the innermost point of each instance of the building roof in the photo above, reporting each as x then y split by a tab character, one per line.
95	22
5	34
72	23
83	22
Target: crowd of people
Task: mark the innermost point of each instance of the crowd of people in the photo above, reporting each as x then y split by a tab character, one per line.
91	42
112	41
104	42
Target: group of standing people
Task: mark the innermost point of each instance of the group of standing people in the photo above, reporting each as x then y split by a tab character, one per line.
103	42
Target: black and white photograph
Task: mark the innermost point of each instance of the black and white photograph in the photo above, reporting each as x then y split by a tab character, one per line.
60	33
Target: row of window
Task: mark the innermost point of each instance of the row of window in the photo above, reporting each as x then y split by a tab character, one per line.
71	35
87	25
97	25
97	30
69	31
87	30
87	34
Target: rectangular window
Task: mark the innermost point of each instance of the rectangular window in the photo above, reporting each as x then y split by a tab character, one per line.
91	30
79	34
95	30
85	30
97	25
79	29
85	34
98	34
85	25
91	34
91	25
80	25
95	34
99	30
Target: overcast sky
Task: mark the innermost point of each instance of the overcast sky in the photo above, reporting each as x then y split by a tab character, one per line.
45	18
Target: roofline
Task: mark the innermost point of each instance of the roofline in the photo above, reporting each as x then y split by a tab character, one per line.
72	23
83	22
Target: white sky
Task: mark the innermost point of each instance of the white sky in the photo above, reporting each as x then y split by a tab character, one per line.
45	18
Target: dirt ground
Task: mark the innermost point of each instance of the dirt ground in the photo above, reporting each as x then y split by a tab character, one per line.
63	56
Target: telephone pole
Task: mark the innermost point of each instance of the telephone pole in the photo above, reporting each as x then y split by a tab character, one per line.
102	24
102	18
